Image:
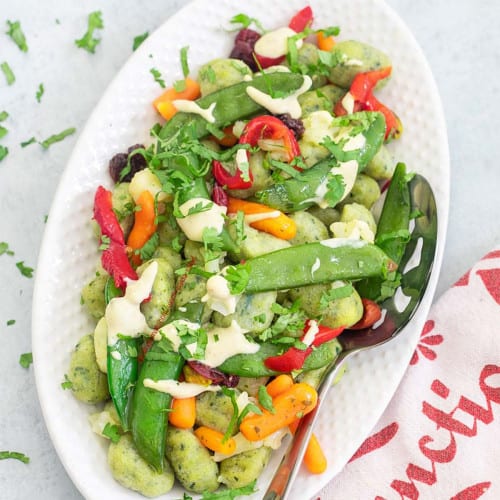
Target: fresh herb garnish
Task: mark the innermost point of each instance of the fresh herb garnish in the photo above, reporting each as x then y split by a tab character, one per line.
290	320
105	242
66	384
25	270
4	151
7	71
3	131
112	432
237	277
88	42
139	39
149	248
231	493
212	243
4	455
339	292
335	189
32	140
39	92
158	78
4	248
3	116
57	137
184	61
26	359
245	21
16	33
265	400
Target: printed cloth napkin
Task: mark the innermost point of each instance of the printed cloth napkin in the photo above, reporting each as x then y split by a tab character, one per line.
439	439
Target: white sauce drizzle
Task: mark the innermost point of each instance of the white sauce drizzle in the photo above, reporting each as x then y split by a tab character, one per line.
274	44
171	333
315	266
353	62
348	103
355	230
281	105
116	355
343	242
242	160
356	142
219	297
349	171
188	106
311	332
179	390
123	314
251	218
194	224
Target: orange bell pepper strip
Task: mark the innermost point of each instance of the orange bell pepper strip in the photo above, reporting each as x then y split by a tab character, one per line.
144	224
164	105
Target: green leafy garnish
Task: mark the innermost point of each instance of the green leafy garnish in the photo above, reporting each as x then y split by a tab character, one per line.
336	189
237	277
57	137
4	151
265	400
7	71
88	42
184	61
26	359
11	322
139	39
25	270
289	320
66	384
158	78
3	116
16	34
105	242
233	423
3	131
245	21
39	92
14	455
112	432
336	293
231	493
32	140
4	248
212	243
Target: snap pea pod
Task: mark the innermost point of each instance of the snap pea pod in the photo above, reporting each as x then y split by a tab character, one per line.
315	263
149	407
122	367
392	234
301	192
252	365
231	103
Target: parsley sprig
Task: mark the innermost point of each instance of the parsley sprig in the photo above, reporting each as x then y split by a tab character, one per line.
16	455
88	42
16	34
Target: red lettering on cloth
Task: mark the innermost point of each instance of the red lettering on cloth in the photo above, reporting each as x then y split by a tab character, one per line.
376	441
425	341
491	280
464	280
494	254
473	492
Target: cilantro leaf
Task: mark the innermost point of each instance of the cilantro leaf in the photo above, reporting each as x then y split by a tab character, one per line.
3	131
231	493
57	137
32	140
16	34
112	432
7	71
4	248
39	92
158	78
138	40
14	455
149	248
212	243
237	277
289	320
265	400
25	270
11	322
339	292
26	359
66	384
184	61
245	21
87	42
4	151
3	116
336	189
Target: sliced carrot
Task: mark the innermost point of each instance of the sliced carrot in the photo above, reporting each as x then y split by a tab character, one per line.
294	403
214	440
278	224
325	42
279	384
314	458
163	103
183	413
144	224
229	138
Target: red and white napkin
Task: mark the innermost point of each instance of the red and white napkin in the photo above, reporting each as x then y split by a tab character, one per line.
439	439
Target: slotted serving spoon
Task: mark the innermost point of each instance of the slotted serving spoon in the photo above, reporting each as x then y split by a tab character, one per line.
415	266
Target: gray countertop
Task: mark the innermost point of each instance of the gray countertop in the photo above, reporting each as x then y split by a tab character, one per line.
461	41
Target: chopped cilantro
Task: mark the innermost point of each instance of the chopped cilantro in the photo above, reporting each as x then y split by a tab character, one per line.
14	455
3	116
138	40
105	241
4	248
265	400
45	219
57	137
230	493
157	76
87	42
4	151
39	92
237	277
32	140
7	71
16	33
26	359
212	243
3	131
245	21
290	320
25	270
66	384
112	432
339	292
176	244
11	322
149	248
184	61
260	318
210	74
336	189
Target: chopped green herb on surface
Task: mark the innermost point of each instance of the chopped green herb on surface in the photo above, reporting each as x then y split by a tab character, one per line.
3	152
157	76
11	322
7	71
3	116
112	432
17	35
26	359
4	248
32	140
25	270
138	40
245	21
3	131
67	384
4	455
88	42
57	137
184	61
39	92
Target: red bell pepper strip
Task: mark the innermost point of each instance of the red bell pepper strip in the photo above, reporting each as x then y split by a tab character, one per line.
225	178
114	257
364	100
294	358
302	20
269	127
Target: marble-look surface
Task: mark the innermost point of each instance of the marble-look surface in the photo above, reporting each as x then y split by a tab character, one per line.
461	41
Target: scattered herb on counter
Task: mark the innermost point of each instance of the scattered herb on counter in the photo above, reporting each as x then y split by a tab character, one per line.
3	116
3	131
9	74
138	40
157	76
11	322
4	248
26	359
14	455
25	270
57	137
112	432
45	219
32	140
17	35
245	22
184	61
87	42
39	92
67	384
3	152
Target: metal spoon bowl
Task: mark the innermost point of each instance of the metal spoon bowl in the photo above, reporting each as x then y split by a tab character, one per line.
416	267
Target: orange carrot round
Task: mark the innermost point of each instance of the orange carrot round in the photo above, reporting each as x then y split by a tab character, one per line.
214	440
314	458
325	42
294	403
277	224
163	103
279	384
183	413
144	224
